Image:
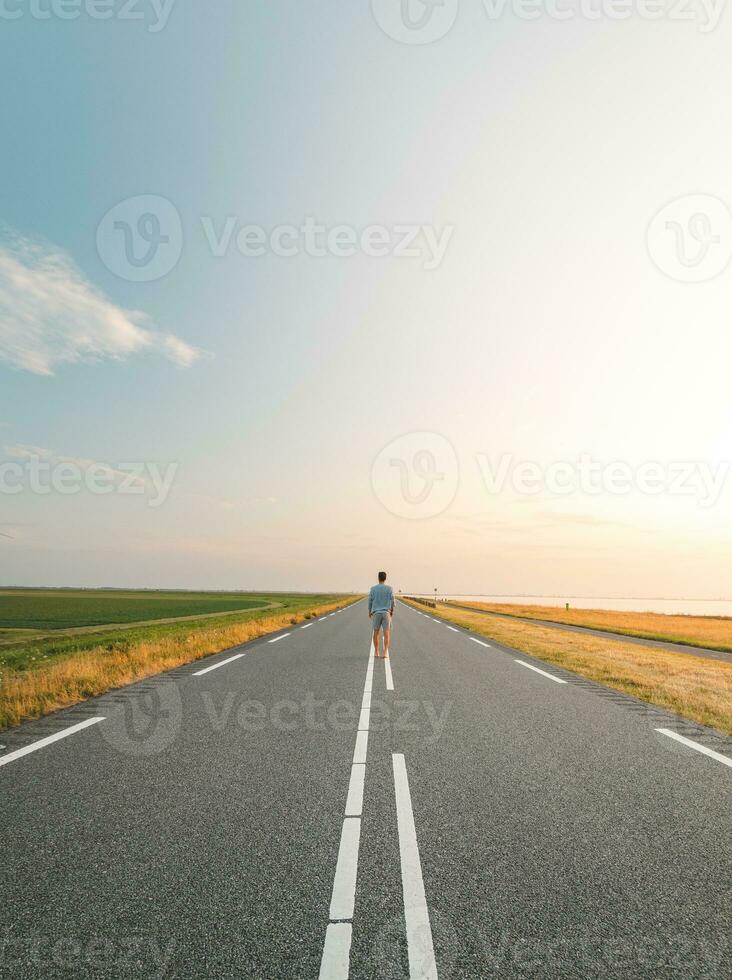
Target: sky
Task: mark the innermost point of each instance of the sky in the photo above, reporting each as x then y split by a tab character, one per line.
293	292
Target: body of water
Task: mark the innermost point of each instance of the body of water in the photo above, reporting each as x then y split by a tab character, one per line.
690	607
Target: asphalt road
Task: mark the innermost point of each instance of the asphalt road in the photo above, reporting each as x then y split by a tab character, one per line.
643	641
285	814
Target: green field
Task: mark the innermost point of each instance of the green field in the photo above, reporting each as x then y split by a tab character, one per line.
42	625
54	609
61	646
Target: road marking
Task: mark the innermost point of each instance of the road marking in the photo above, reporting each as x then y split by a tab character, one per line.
334	964
344	885
362	744
389	678
557	680
453	629
480	642
221	663
436	620
354	802
48	740
332	614
306	626
724	759
416	915
336	952
278	638
322	618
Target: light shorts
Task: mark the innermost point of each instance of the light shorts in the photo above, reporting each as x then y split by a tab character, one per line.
380	620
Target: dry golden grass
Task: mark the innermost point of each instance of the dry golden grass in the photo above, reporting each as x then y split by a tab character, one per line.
691	686
33	693
712	632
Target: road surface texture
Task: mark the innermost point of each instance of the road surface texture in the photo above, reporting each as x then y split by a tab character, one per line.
278	811
692	651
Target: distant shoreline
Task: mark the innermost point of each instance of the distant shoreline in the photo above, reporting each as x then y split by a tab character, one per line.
573	595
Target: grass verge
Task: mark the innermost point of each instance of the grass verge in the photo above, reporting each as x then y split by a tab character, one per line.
710	632
44	687
691	686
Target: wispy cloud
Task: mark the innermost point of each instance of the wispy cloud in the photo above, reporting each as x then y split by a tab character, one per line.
51	315
51	457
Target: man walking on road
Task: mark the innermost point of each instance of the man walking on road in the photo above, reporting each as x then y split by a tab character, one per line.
381	610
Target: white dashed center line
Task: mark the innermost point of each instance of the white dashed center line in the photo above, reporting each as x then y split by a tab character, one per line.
278	638
354	803
364	719
335	962
344	885
362	744
389	678
479	642
336	952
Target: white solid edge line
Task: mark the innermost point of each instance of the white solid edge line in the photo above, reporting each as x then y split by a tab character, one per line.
354	802
344	883
557	680
478	641
453	629
416	915
724	759
336	952
278	638
43	742
362	744
389	678
221	663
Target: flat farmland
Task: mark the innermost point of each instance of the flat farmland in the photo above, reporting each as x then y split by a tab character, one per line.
62	609
60	646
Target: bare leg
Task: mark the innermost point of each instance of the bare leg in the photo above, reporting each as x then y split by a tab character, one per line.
387	641
376	643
